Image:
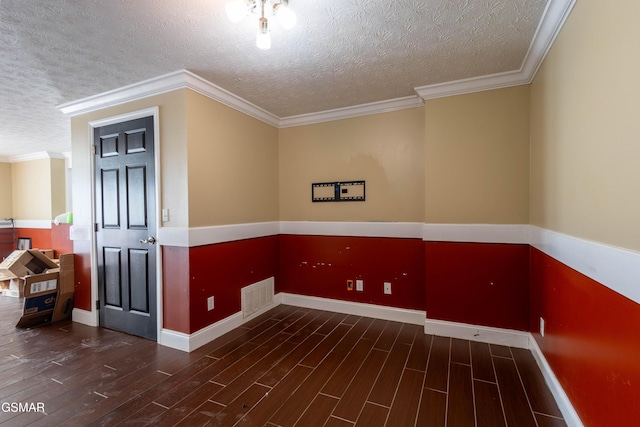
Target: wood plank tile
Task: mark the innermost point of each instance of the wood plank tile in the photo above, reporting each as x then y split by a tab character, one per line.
388	336
481	362
302	397
353	336
375	329
373	416
318	411
286	364
460	352
540	397
240	407
206	412
460	407
251	375
438	367
514	400
407	400
385	387
337	422
354	398
278	396
241	364
419	355
548	421
500	351
109	378
433	409
342	377
488	405
326	345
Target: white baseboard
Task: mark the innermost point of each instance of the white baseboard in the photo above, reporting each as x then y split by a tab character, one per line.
485	334
85	317
414	317
190	342
568	412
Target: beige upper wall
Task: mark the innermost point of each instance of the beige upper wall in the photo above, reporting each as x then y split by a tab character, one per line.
233	165
58	187
173	155
32	190
585	128
477	158
6	210
386	150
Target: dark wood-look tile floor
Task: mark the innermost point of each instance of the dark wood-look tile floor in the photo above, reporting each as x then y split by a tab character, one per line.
288	367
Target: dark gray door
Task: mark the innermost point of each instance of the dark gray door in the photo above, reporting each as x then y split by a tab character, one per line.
125	227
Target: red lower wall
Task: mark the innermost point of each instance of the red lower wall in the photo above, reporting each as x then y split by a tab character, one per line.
478	283
321	265
591	341
191	275
56	238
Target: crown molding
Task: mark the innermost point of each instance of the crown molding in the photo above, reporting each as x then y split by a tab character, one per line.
354	111
35	156
180	79
553	18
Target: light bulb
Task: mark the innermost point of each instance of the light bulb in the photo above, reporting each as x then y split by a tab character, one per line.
286	17
263	40
236	10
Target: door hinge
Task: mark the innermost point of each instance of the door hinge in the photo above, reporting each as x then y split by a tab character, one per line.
97	304
93	150
96	227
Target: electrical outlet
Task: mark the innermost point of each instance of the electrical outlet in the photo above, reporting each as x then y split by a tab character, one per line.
210	303
542	326
359	285
165	215
349	285
387	288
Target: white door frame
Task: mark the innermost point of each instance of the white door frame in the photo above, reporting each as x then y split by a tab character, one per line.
155	113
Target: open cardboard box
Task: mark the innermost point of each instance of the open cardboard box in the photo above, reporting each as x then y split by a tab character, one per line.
47	288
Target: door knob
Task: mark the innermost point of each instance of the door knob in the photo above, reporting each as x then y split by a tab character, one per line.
150	240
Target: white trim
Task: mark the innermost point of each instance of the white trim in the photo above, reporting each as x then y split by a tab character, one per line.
353	111
85	317
35	156
210	90
199	236
409	230
414	317
32	223
181	79
477	233
485	334
564	404
553	18
616	268
190	342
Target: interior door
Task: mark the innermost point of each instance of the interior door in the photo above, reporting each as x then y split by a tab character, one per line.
125	227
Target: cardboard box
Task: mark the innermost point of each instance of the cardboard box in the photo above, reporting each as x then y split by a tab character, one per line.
26	262
48	297
40	295
48	253
64	303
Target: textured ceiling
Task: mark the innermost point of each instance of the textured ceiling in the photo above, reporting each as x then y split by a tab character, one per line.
341	53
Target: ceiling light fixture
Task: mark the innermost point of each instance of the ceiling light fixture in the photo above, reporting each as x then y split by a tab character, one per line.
238	9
